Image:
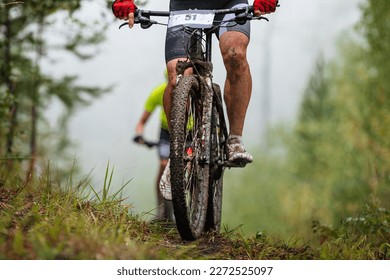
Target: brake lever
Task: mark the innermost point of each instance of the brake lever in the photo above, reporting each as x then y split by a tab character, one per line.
145	21
123	24
260	18
243	17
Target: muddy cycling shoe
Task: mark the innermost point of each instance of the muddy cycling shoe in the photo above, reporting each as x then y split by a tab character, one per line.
165	183
237	156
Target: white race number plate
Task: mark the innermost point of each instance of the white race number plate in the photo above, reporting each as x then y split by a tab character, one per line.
192	18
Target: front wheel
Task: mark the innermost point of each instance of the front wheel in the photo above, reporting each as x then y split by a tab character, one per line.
189	172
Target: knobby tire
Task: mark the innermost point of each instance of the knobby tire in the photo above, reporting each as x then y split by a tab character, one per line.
217	156
189	173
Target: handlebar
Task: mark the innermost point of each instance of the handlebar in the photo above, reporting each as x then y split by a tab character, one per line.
248	8
141	141
151	144
242	15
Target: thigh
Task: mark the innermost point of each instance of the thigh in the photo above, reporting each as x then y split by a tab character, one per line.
176	43
233	26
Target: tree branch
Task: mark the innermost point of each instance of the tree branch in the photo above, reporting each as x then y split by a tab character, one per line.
11	3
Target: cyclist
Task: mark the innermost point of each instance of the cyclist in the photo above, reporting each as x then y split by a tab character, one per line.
233	42
155	100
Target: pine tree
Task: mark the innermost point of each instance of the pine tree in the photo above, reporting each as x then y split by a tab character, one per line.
25	91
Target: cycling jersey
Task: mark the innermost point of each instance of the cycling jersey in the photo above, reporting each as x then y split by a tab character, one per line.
155	100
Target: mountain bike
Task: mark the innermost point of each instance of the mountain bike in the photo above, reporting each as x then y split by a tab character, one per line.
197	123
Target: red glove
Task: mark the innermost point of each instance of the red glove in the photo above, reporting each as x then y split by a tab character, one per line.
265	6
122	8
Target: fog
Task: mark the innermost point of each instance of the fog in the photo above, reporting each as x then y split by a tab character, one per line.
133	61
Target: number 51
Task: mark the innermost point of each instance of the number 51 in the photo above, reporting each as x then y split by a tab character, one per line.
190	17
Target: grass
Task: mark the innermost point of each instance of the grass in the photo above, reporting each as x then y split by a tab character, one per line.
45	221
365	237
42	219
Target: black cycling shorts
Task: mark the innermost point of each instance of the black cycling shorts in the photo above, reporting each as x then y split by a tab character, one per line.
164	144
177	39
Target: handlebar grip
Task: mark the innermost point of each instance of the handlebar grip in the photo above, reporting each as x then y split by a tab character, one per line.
151	144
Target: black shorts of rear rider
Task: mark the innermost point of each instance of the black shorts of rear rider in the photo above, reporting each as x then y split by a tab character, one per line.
164	144
176	38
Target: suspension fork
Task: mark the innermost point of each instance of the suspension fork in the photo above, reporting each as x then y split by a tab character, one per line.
207	99
202	63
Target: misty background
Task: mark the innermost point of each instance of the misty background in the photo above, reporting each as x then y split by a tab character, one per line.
282	54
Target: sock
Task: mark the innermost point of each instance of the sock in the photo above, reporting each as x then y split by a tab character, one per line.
235	138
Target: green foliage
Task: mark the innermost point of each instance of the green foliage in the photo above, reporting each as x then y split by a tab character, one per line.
346	151
44	219
106	195
25	91
326	168
336	156
47	220
365	236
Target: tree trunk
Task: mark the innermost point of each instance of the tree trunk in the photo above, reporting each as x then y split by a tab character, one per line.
35	100
7	75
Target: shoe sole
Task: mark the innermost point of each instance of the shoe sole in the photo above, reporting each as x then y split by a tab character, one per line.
239	162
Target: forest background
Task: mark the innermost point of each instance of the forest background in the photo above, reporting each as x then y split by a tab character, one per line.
329	163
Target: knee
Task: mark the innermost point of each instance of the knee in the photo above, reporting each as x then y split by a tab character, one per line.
171	70
234	58
171	85
235	63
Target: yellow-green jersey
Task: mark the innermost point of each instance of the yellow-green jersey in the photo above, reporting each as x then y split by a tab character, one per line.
155	100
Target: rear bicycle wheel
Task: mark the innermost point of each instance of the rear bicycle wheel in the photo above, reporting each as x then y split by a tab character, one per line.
189	172
217	157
